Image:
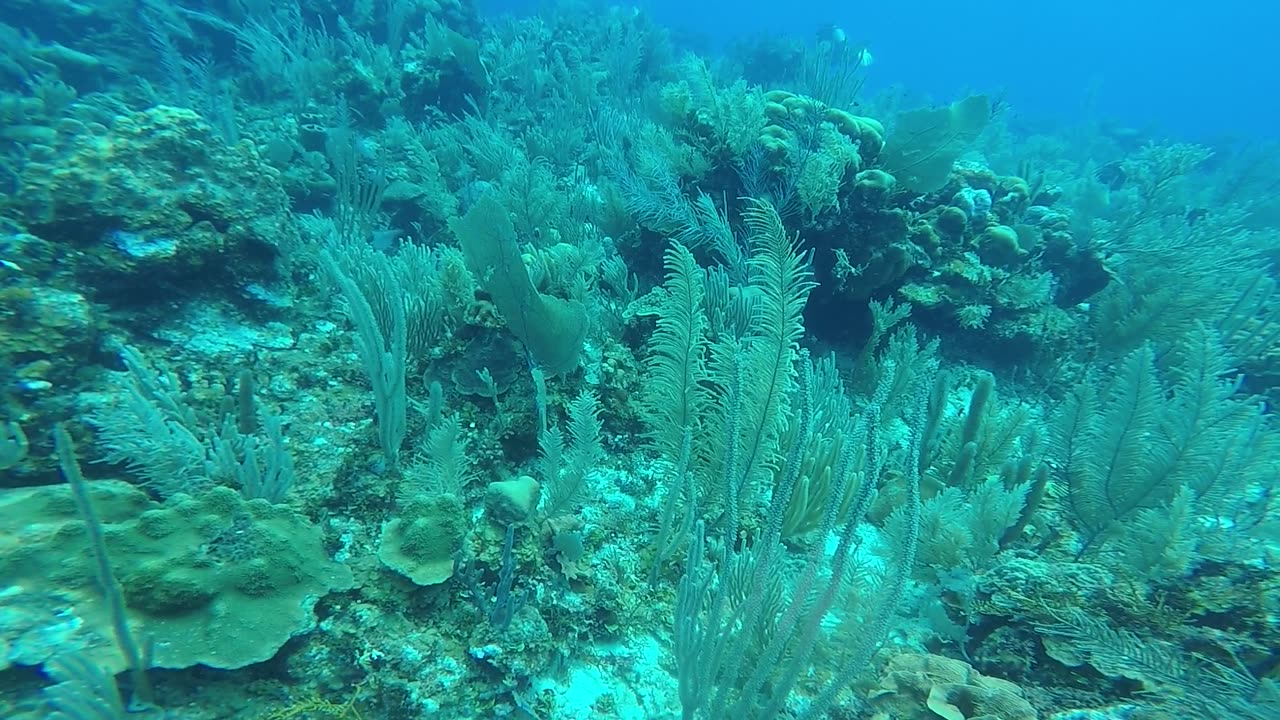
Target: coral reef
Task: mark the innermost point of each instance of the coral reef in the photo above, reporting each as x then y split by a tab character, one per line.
426	362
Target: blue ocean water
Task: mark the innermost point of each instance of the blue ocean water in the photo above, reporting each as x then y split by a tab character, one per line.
1199	71
568	360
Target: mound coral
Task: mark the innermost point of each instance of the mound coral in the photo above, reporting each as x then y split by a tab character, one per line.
927	687
215	580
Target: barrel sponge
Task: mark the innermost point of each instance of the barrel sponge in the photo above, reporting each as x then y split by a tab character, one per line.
212	579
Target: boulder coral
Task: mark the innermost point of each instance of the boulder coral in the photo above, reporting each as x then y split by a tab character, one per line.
931	687
212	580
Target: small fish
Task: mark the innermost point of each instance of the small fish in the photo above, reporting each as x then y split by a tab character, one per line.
1112	175
837	41
833	34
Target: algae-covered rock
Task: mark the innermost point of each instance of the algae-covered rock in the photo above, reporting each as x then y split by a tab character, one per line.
215	580
157	196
